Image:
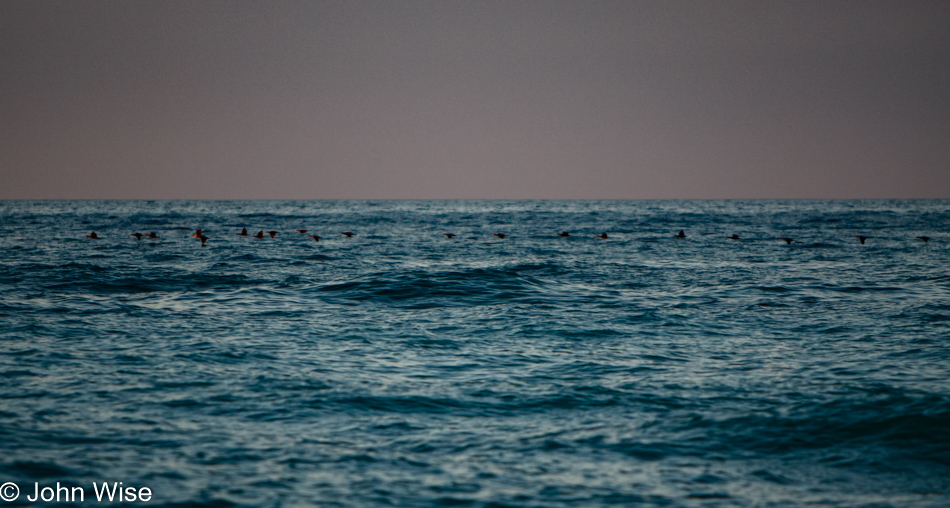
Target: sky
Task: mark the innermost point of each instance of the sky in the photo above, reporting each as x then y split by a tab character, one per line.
513	99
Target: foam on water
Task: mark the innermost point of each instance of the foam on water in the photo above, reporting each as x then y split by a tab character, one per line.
399	367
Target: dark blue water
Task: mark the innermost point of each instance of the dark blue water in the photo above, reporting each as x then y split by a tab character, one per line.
402	368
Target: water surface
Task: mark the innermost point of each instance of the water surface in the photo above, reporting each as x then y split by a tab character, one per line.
399	367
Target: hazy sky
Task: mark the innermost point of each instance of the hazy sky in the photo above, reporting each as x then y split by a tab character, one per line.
477	99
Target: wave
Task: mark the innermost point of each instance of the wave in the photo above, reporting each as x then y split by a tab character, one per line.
905	425
164	282
421	289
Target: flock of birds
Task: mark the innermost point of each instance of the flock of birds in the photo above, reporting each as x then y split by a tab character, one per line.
349	234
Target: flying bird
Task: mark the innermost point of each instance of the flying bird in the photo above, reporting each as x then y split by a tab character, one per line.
681	234
138	236
788	241
260	234
316	238
93	235
564	234
197	234
348	234
272	233
448	235
301	231
603	236
733	237
499	235
152	235
243	232
861	238
924	238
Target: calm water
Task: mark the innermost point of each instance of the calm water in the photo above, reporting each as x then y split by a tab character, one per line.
399	367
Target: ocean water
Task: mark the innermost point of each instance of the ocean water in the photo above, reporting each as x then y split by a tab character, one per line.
403	368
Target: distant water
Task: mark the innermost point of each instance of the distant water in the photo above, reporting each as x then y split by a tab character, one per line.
403	368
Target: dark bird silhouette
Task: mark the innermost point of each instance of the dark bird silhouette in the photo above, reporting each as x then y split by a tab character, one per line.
924	238
301	231
93	235
243	232
260	234
499	235
564	234
603	236
138	236
681	234
787	240
152	235
733	237
348	234
861	238
272	233
201	237
448	235
316	238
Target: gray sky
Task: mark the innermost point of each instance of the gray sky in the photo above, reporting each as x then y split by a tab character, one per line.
479	99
